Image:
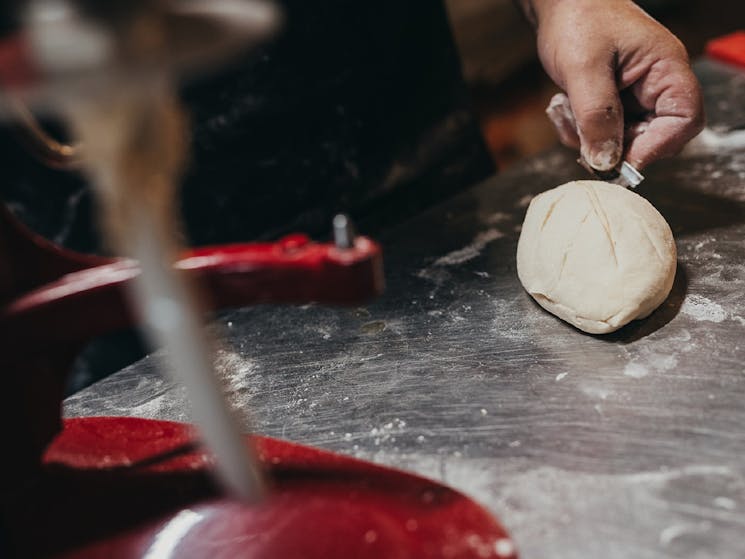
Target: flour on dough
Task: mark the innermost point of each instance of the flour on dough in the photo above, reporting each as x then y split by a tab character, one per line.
596	255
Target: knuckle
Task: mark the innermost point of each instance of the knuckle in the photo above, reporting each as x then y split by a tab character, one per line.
696	123
678	49
598	112
583	61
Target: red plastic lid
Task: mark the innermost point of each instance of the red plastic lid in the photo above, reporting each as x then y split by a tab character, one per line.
730	48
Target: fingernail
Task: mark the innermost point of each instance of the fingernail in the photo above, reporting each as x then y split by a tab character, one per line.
605	156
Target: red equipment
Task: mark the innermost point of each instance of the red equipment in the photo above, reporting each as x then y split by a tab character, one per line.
730	48
126	487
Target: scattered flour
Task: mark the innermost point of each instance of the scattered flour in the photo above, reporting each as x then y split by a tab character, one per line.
672	533
635	370
470	251
709	141
599	392
149	409
701	244
725	503
703	309
236	370
388	431
648	362
663	362
504	548
497	217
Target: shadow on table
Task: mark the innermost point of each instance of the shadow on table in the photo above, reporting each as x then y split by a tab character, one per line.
691	211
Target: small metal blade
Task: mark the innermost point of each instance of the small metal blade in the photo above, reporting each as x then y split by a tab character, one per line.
623	175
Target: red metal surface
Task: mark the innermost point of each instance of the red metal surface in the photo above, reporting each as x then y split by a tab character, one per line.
730	48
54	301
139	489
127	488
234	275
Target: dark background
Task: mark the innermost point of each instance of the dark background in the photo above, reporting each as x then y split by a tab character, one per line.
356	107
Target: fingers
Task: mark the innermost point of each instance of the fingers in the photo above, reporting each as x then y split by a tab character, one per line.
634	130
560	113
671	90
595	102
673	97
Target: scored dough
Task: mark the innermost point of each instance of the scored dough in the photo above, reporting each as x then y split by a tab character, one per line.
596	255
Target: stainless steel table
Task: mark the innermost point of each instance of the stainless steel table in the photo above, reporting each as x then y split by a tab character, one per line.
625	446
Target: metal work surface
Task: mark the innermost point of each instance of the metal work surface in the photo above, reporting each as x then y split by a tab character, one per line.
625	446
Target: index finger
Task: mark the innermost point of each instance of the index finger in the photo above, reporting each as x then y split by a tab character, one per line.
672	93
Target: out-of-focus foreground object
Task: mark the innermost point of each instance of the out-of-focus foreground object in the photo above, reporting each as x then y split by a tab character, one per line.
127	487
110	71
730	48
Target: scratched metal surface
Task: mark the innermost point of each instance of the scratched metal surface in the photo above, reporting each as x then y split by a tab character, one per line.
629	445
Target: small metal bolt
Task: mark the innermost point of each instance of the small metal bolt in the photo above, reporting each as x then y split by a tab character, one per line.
343	232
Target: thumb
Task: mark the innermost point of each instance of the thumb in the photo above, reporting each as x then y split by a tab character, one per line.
597	108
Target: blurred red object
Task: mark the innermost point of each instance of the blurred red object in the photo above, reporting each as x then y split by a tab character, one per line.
730	48
126	488
129	488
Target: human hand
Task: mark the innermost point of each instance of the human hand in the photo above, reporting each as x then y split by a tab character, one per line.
631	92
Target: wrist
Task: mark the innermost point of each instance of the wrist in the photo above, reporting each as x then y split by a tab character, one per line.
538	11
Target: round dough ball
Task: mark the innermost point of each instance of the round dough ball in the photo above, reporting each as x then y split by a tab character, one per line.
596	255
